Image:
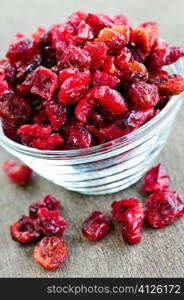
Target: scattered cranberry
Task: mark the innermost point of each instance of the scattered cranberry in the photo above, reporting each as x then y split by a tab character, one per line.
48	201
121	206
95	226
163	208
50	253
23	231
156	179
49	222
17	173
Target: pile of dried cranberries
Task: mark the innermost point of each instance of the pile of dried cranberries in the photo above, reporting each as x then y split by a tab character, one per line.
85	82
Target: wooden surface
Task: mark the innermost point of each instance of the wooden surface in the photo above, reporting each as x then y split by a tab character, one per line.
161	252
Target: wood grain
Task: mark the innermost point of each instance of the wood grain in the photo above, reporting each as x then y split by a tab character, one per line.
161	252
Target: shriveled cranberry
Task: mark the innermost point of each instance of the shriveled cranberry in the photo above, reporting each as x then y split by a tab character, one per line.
164	54
115	38
134	71
84	32
120	207
76	18
67	73
3	85
101	78
17	173
22	48
50	253
9	71
163	208
145	36
172	85
121	20
48	53
132	224
26	67
23	231
44	83
144	95
97	137
56	112
74	88
156	179
48	201
126	123
99	21
110	99
11	131
78	136
96	226
97	118
49	222
158	76
62	37
85	105
123	58
98	53
76	57
109	66
14	109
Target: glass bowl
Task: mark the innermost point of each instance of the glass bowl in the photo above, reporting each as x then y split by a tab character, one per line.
106	168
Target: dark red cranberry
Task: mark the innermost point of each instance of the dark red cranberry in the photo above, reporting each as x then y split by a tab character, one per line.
17	173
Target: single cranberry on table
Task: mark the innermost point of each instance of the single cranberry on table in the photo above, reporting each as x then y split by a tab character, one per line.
156	179
48	201
96	226
50	253
118	208
24	230
17	173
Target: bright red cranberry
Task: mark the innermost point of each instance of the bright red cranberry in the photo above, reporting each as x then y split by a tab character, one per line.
99	21
3	85
56	112
84	32
120	207
23	231
123	58
85	105
17	173
49	222
78	136
50	253
101	78
120	20
156	179
96	226
76	57
98	53
48	201
163	208
110	67
132	224
67	73
144	95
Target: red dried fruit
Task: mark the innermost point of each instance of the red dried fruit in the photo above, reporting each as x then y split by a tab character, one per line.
3	85
123	58
110	100
10	74
37	35
11	132
17	173
76	57
67	73
144	95
98	53
114	38
101	78
132	224
126	123
25	68
156	179
48	53
164	54
39	137
158	76
78	136
76	18
74	88
171	85
145	36
96	226
84	32
49	222
50	253
97	119
56	112
134	71
99	21
14	109
21	49
121	20
97	137
109	66
121	206
23	231
45	83
84	106
163	208
62	35
48	201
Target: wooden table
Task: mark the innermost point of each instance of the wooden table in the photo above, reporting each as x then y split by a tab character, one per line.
161	252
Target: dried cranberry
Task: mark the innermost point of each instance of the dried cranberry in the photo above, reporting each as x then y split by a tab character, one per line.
78	136
48	201
96	226
37	35
163	208
14	109
50	253
49	222
76	18
23	231
109	66
97	137
144	95
67	73
98	53
134	71
3	85
74	88
84	106
62	37
26	67
121	20
84	32
99	21
123	58
132	224
56	112
101	78
11	132
96	118
126	123
17	173
76	57
172	85
156	179
44	83
120	207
